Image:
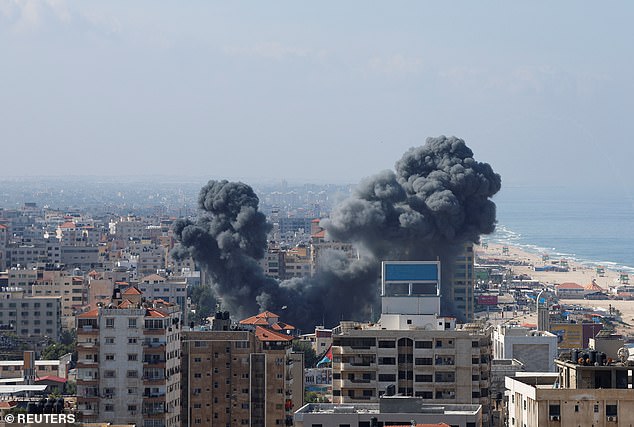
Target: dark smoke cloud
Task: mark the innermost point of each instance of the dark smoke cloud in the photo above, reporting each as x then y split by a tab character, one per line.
438	199
228	238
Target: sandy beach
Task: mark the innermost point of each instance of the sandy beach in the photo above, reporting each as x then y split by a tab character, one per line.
578	273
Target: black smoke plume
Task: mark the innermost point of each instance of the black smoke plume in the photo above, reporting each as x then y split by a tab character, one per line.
230	236
438	199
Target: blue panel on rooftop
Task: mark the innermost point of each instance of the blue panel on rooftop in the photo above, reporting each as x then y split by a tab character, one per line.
411	272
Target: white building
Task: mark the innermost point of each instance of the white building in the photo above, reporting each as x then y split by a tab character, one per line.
537	350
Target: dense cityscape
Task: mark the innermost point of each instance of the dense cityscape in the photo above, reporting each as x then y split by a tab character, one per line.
156	307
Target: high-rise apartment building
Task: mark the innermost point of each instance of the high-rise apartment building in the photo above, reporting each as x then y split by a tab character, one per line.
411	351
460	293
234	377
128	366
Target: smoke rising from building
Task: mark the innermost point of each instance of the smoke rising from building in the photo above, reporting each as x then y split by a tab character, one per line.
230	236
438	199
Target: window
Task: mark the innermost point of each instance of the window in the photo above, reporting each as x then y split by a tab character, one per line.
610	410
109	340
132	340
132	374
133	357
109	374
423	344
554	410
387	344
109	356
387	377
109	407
109	322
132	323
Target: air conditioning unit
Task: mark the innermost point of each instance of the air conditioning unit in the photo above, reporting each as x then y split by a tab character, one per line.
612	418
555	418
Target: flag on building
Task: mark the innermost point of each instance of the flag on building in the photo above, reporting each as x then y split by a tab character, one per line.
327	357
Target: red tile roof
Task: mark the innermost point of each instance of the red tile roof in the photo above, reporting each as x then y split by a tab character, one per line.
51	378
281	326
264	334
259	319
67	224
125	304
89	314
151	312
132	290
593	287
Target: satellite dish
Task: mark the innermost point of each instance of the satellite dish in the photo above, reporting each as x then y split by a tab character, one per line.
623	354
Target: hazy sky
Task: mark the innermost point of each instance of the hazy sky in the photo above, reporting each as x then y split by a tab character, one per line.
321	91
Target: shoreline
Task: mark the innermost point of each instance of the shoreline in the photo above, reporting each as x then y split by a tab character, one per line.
523	262
504	236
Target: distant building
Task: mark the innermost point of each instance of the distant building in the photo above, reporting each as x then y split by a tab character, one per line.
569	290
35	319
460	292
536	350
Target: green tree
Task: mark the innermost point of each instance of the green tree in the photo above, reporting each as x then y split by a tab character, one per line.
205	301
310	357
57	350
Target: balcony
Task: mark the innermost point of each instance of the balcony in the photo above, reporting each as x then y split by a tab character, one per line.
154	397
160	331
358	366
159	364
357	383
87	344
87	363
87	412
153	380
87	380
88	330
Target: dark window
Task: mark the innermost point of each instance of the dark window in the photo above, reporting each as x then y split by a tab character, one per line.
554	410
610	410
387	344
423	344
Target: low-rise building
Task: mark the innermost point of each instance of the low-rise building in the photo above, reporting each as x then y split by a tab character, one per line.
35	319
586	390
389	411
536	350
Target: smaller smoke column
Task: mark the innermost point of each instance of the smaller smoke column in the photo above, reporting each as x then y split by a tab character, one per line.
228	238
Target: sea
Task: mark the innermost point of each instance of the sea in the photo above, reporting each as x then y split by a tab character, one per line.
592	227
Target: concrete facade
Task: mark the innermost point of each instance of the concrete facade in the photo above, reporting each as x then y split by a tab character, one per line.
128	368
536	350
578	395
411	350
388	411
